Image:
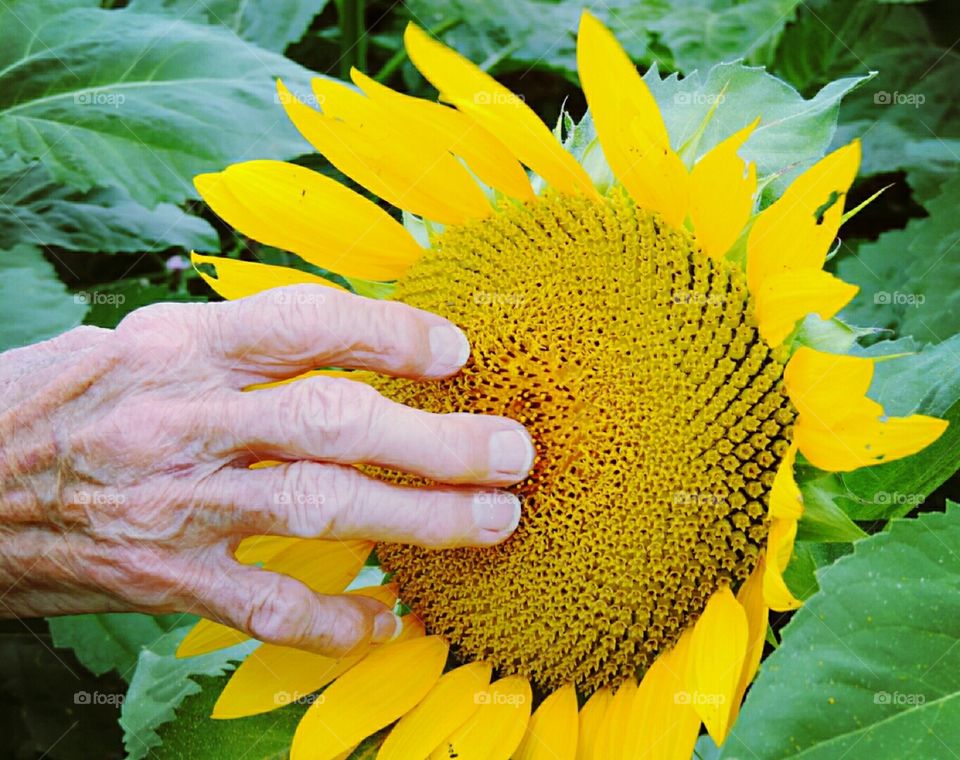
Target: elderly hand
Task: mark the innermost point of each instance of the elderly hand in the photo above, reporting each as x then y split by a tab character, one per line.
124	454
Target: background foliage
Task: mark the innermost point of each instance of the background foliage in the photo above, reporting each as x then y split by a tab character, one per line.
107	109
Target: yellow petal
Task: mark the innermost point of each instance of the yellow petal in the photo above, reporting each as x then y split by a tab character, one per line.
497	110
718	650
629	125
822	385
494	731
378	690
752	600
838	428
789	296
780	540
273	676
663	724
552	731
255	549
447	707
327	567
486	156
402	156
238	279
785	499
613	731
591	720
722	187
208	636
317	218
788	234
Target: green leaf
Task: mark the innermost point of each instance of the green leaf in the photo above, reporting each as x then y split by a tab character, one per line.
823	520
161	682
37	210
808	558
111	641
793	133
118	98
908	115
110	303
271	24
195	736
701	33
908	277
870	665
34	304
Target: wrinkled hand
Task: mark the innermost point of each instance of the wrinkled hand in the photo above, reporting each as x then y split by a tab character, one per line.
124	460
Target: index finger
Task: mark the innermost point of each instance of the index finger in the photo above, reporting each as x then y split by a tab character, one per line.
285	331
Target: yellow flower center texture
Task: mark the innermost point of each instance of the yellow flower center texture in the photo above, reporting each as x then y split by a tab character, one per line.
659	417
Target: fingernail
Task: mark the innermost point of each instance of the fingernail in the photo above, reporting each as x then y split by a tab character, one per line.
449	348
511	454
496	510
386	627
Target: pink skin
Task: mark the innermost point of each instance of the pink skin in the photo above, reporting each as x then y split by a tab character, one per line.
124	480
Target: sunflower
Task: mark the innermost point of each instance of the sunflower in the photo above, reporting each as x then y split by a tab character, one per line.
642	322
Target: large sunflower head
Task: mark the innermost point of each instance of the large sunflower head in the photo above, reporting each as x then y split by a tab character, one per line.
640	320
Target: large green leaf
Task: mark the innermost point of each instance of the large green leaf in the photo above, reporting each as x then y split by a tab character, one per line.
119	98
34	304
793	131
700	34
111	641
37	210
870	665
908	278
908	117
161	682
271	24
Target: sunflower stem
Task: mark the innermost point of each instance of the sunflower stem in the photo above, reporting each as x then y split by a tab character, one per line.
353	36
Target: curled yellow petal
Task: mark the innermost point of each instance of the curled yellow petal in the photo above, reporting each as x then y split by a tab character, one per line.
780	540
838	428
446	127
786	503
751	598
375	692
718	650
323	222
238	279
796	232
629	125
663	725
552	731
722	186
496	109
785	298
